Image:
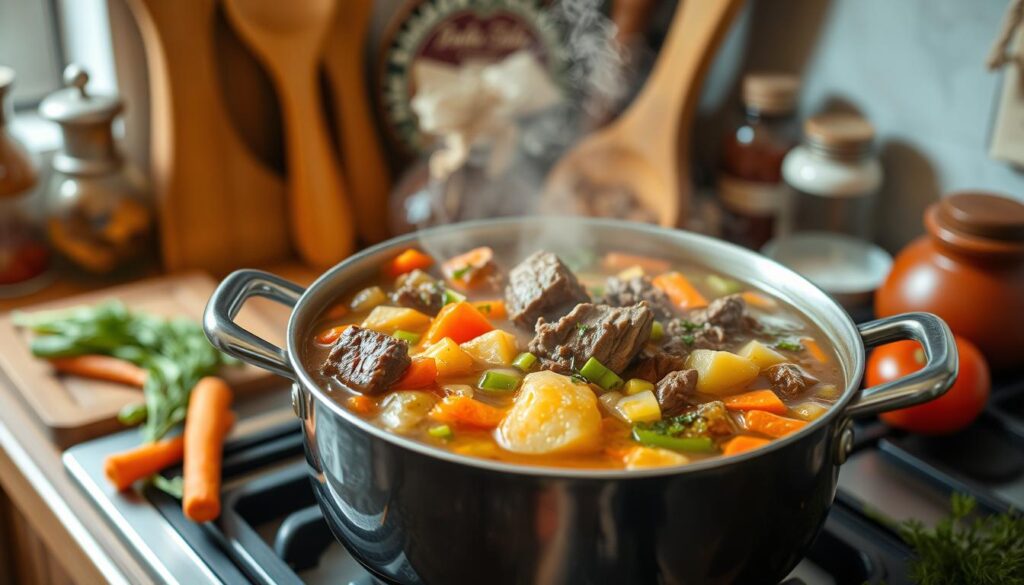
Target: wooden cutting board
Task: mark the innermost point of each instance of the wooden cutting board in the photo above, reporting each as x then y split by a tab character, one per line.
75	409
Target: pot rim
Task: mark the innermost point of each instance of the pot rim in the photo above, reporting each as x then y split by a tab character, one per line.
853	372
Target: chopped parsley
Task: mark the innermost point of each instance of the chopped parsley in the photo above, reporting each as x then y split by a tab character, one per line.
689	326
484	308
688	339
789	345
461	272
582	329
688	424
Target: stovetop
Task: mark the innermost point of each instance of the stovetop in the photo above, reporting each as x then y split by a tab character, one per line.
271	531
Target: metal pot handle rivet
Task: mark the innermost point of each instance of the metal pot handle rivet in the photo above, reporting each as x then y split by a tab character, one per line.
844	442
231	338
930	382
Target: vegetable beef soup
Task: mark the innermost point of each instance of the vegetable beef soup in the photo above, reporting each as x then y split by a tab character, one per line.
627	363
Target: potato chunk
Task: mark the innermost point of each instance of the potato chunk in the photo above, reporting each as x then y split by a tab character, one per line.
721	372
494	347
401	411
387	320
644	457
552	414
450	359
762	355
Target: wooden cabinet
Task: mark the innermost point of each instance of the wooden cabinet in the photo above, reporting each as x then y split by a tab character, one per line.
24	558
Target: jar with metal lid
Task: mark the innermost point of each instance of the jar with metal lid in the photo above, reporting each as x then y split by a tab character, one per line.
99	216
969	270
24	255
751	191
835	176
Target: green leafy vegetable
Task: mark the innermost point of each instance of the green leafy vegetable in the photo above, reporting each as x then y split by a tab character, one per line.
407	336
688	339
173	487
688	424
596	372
525	361
499	381
461	272
789	345
656	439
960	550
724	286
174	352
451	296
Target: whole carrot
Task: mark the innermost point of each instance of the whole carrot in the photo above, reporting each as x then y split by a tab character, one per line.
101	367
204	441
124	469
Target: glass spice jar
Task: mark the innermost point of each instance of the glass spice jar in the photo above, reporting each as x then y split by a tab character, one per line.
24	255
750	187
99	217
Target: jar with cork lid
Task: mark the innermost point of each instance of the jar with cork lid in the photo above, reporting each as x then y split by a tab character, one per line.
750	188
835	176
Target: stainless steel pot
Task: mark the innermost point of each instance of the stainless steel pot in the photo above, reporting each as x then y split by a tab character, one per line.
411	513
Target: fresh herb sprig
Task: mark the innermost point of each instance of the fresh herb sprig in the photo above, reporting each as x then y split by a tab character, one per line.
174	352
987	550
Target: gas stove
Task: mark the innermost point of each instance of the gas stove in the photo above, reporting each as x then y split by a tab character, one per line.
271	530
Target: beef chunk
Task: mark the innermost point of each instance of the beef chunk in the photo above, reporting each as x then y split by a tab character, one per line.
542	286
612	335
654	364
623	293
710	327
425	297
788	379
367	361
675	390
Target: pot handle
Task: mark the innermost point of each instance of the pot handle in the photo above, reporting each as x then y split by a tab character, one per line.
232	339
932	381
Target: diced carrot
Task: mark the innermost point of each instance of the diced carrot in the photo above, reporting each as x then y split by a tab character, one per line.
742	444
772	425
679	290
463	410
101	367
422	372
814	349
329	336
616	261
361	404
408	261
492	309
337	311
204	443
759	300
765	400
460	321
465	271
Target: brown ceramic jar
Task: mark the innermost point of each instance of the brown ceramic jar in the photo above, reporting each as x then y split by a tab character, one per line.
969	270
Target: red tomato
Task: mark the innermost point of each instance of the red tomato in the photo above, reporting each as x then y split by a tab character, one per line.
948	413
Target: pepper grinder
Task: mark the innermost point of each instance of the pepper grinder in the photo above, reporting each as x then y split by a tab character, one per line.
99	215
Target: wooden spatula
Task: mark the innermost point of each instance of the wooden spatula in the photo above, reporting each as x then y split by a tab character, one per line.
640	152
288	37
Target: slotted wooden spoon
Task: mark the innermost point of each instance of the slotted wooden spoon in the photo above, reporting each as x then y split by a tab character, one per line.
641	151
288	37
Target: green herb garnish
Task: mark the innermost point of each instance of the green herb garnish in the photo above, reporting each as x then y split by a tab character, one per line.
459	273
789	345
174	487
958	550
688	339
688	424
582	329
175	354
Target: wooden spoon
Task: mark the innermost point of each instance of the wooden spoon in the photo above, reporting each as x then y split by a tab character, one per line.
368	179
288	36
641	151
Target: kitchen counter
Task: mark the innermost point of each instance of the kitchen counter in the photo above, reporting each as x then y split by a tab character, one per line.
72	532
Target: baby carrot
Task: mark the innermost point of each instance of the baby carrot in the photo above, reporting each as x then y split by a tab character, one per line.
204	438
101	367
772	425
679	290
765	400
743	443
125	468
814	349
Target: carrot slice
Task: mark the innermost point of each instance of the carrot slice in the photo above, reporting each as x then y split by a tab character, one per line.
765	400
460	321
463	410
422	372
814	349
204	442
616	261
125	468
408	261
101	367
679	290
329	336
465	270
759	300
337	311
772	425
361	404
492	309
743	443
